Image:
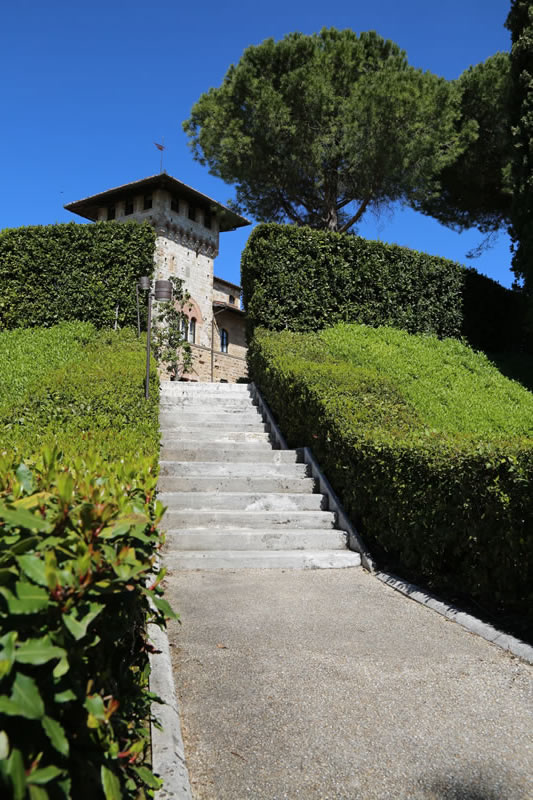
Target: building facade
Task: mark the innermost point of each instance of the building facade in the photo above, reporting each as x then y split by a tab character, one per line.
188	225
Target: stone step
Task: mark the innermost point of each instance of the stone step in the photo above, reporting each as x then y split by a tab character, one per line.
248	519
244	453
177	427
204	469
214	435
261	539
262	559
207	405
244	501
193	418
253	446
183	387
170	483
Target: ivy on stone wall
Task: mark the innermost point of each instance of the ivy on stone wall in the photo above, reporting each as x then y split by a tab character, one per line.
51	273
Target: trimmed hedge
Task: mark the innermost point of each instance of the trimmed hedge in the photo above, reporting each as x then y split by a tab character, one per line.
302	280
453	508
51	273
79	522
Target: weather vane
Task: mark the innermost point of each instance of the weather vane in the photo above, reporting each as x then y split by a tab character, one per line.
161	147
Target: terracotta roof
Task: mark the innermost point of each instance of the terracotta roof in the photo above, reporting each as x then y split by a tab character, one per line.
228	283
227	307
88	206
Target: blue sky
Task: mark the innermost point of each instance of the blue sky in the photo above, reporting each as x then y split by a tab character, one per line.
88	87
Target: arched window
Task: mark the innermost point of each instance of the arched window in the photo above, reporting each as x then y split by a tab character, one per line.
224	339
192	330
184	327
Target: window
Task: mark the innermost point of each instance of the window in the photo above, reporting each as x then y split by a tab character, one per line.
184	327
223	340
192	213
128	207
208	220
192	330
147	201
175	205
111	212
232	300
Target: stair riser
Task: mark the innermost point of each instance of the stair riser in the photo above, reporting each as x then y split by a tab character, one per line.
168	483
317	520
191	419
204	444
216	469
249	540
176	427
207	403
214	437
178	387
225	501
237	455
266	559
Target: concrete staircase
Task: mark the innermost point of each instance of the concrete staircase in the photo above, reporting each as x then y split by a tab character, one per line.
233	500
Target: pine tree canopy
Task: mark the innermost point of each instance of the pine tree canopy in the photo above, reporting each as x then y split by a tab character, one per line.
317	129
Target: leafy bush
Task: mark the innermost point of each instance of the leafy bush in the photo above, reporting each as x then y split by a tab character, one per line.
305	280
51	273
446	495
79	539
77	546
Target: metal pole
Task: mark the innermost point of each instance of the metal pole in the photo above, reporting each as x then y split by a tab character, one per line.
138	311
148	336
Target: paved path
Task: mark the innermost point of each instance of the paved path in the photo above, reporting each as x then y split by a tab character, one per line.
328	685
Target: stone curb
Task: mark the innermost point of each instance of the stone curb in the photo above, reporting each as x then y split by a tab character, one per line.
168	755
453	613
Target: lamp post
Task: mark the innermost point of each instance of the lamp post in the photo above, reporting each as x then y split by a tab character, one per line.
163	291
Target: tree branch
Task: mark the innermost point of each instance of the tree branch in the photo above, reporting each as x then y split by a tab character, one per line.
289	210
357	216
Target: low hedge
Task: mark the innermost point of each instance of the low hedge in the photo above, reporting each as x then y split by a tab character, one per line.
453	508
78	469
296	278
51	273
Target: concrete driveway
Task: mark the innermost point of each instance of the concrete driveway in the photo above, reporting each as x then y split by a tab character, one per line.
329	685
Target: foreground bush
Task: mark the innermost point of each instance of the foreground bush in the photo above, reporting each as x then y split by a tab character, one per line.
452	505
296	278
51	273
76	548
78	541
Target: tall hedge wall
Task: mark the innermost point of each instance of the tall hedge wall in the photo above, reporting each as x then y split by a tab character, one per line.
302	280
51	273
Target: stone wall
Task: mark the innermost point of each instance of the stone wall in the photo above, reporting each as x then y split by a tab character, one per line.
221	366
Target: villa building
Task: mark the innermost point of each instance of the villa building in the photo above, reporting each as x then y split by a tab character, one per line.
188	225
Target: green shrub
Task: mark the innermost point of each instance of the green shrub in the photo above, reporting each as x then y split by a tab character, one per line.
78	517
77	546
448	501
296	278
51	273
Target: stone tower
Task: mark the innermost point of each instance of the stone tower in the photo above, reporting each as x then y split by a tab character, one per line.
188	225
